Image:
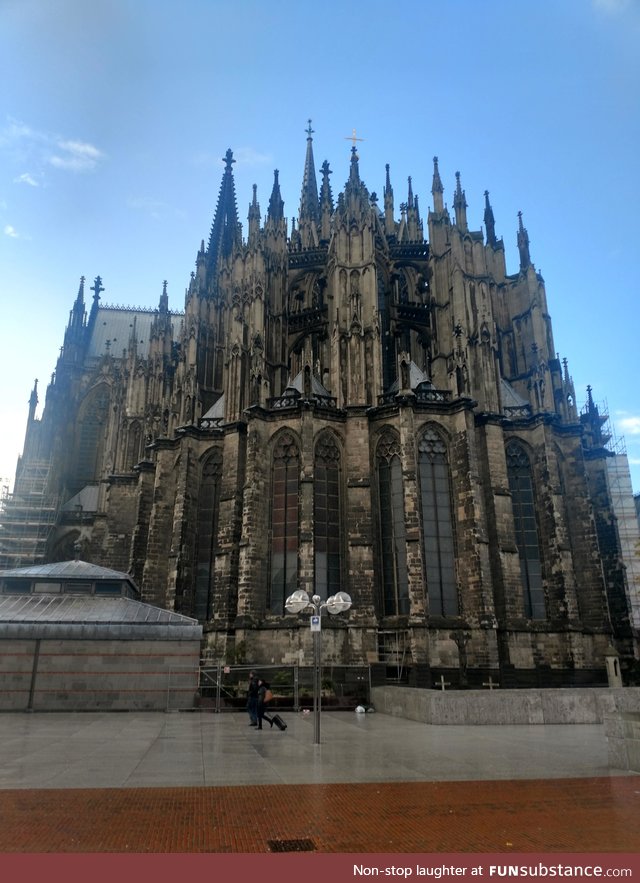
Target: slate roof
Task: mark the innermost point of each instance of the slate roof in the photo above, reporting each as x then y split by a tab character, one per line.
59	616
88	616
66	570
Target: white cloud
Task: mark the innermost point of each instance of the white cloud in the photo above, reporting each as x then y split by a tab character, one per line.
11	231
26	178
154	207
76	156
47	148
247	156
611	7
630	425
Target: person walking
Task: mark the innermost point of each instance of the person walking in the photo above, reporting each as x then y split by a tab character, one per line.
252	699
264	696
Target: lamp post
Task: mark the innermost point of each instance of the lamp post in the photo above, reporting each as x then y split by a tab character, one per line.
300	602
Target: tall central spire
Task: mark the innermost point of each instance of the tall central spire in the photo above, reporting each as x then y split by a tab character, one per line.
225	228
309	204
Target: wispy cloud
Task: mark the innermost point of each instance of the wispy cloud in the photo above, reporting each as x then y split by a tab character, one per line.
630	425
155	208
76	156
26	178
247	156
11	231
611	7
39	150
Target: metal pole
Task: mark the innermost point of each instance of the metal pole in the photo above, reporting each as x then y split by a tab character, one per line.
317	701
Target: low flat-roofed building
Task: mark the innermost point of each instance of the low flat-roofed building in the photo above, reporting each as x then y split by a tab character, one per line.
75	636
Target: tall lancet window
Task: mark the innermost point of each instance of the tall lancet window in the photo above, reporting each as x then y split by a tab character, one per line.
284	522
92	430
438	537
208	515
393	534
526	530
326	516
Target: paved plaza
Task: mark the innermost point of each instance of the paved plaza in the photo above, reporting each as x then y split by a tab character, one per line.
202	782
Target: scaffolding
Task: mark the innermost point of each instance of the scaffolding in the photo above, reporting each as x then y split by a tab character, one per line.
27	517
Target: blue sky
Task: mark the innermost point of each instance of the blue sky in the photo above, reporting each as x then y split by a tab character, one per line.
114	116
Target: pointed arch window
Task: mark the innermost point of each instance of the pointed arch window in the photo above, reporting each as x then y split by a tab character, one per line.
208	515
326	516
284	522
134	445
438	537
92	430
393	533
526	530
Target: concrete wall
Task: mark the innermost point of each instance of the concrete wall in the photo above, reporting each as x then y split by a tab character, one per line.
587	705
623	736
112	675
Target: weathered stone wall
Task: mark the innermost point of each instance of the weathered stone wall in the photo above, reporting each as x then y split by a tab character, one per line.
111	675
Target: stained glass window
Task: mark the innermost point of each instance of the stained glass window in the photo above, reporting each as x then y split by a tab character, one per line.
393	533
524	515
284	522
438	538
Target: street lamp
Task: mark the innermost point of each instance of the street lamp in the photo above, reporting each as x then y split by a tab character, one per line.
299	602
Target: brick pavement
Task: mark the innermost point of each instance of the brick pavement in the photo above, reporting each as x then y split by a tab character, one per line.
560	815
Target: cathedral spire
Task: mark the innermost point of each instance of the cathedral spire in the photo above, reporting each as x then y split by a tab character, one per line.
326	203
224	230
489	221
437	189
460	205
77	317
95	306
413	215
354	169
523	244
389	221
309	205
33	401
163	305
254	218
275	211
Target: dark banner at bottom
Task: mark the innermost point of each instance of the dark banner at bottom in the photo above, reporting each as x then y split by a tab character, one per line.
313	868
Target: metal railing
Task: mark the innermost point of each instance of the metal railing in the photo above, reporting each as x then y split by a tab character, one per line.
224	687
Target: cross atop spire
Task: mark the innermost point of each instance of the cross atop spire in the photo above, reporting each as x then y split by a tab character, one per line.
309	130
353	139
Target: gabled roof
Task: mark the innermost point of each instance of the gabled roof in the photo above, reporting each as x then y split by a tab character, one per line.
510	398
91	617
81	570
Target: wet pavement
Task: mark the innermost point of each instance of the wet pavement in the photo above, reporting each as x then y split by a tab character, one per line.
202	782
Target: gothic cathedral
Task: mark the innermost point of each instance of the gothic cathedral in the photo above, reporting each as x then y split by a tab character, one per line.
352	402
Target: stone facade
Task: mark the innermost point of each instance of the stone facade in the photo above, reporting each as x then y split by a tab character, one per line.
358	403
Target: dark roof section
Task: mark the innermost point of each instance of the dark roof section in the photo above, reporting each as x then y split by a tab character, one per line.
66	569
88	616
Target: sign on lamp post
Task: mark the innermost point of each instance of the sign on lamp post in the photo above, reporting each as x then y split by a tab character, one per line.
300	602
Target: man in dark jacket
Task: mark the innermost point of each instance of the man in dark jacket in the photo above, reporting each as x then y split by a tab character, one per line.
252	699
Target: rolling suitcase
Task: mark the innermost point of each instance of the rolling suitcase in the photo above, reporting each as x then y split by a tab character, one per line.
280	724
